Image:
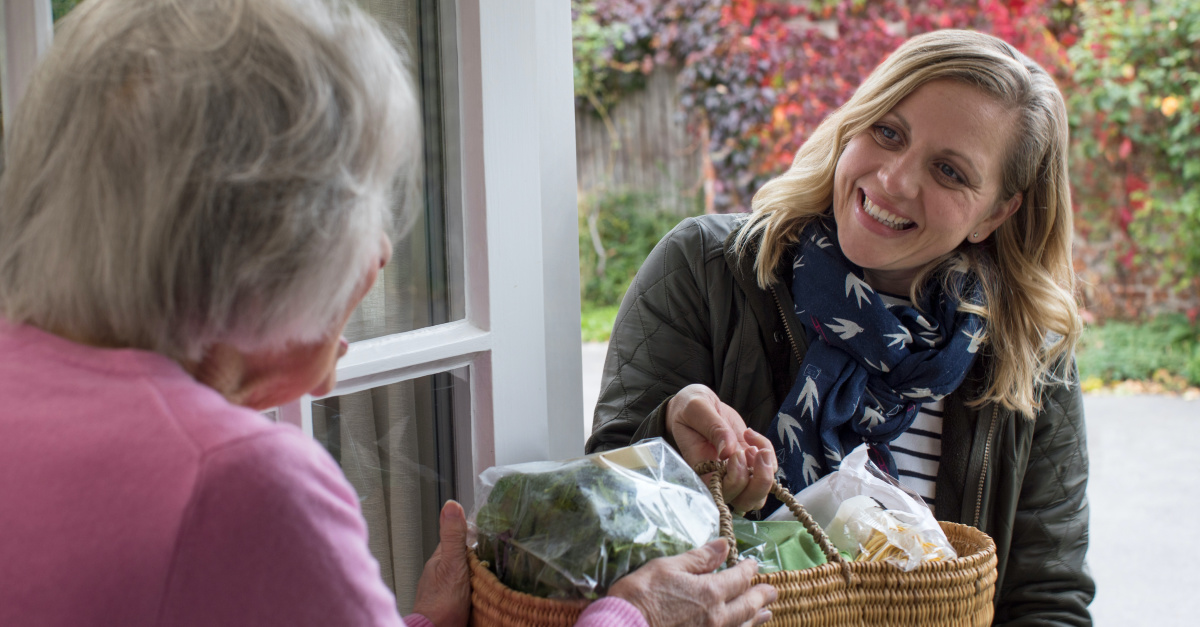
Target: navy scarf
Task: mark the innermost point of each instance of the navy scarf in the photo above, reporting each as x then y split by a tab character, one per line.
869	366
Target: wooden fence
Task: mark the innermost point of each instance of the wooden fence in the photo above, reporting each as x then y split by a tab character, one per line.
652	151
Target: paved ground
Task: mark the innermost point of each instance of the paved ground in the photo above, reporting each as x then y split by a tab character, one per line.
1145	499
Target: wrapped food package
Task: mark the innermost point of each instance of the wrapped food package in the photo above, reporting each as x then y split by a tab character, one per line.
777	545
871	517
570	529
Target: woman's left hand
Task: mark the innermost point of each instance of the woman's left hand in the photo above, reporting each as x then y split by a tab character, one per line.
705	428
444	590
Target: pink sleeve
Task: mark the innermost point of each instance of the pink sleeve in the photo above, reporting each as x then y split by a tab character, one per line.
273	536
417	620
611	612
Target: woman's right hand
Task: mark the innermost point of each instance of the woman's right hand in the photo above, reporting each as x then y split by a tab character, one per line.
683	590
706	429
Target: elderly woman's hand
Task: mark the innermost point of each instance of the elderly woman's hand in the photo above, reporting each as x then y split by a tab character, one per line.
444	590
683	590
707	429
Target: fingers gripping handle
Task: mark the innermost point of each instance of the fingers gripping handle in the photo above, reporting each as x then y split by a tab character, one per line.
716	473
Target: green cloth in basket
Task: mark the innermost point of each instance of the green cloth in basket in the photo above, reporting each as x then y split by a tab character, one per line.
777	545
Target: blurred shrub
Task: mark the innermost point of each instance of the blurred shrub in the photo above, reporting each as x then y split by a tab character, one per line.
597	323
1135	118
625	226
59	8
1119	351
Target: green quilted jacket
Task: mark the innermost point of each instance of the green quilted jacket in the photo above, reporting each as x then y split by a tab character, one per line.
695	314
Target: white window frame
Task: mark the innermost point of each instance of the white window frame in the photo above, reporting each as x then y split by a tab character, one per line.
26	28
509	78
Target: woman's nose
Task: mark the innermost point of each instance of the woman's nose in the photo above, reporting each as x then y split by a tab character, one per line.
900	176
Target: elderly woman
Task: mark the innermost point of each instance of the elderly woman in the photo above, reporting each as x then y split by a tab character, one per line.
197	196
907	284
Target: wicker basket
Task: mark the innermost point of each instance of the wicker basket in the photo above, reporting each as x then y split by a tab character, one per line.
956	593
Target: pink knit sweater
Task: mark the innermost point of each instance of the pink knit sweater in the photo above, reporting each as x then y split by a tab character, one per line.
132	495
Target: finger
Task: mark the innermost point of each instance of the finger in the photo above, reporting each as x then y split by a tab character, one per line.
756	439
714	421
452	527
700	430
707	421
737	475
758	485
722	439
700	560
752	606
731	417
732	583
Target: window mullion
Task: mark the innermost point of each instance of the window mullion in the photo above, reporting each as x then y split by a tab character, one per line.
26	29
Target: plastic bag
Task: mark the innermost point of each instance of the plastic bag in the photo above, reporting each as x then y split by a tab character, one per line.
570	529
869	515
777	545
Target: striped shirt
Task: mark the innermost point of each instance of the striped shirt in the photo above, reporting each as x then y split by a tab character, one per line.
919	449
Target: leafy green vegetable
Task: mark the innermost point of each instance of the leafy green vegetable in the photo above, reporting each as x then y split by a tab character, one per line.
572	530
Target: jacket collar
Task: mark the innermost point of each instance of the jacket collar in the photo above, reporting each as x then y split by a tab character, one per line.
742	268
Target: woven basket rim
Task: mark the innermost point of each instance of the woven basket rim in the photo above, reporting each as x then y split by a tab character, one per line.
481	574
962	564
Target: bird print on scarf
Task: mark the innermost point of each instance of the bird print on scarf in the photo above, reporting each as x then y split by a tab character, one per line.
869	365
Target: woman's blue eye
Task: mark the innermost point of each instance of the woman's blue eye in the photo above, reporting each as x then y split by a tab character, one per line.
949	172
887	132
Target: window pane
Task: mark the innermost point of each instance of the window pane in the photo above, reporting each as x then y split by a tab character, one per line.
62	7
396	445
421	286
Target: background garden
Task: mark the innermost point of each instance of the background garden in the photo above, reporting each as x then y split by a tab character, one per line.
688	106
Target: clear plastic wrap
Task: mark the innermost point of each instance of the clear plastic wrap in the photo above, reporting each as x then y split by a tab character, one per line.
570	529
870	516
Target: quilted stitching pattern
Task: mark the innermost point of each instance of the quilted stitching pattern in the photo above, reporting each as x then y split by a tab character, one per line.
669	334
686	320
1046	582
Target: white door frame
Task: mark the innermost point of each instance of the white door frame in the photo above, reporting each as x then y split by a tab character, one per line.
26	28
521	336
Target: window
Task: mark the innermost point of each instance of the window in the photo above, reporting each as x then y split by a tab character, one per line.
396	445
466	354
487	358
26	29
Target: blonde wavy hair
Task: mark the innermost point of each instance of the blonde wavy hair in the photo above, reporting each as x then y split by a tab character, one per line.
1025	270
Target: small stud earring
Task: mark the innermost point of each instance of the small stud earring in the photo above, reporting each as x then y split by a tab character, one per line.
975	236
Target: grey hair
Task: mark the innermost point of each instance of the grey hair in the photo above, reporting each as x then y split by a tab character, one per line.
187	172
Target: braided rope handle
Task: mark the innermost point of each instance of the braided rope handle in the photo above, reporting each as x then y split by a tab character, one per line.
716	473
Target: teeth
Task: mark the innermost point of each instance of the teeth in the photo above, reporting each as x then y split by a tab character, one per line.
882	215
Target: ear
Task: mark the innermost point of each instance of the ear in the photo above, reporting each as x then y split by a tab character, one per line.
998	216
222	368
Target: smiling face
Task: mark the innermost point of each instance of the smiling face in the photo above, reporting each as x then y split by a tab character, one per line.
920	180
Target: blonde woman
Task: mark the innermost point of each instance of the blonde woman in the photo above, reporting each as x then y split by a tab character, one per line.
906	284
197	196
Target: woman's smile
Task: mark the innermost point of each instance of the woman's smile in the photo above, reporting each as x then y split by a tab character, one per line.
920	180
882	216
